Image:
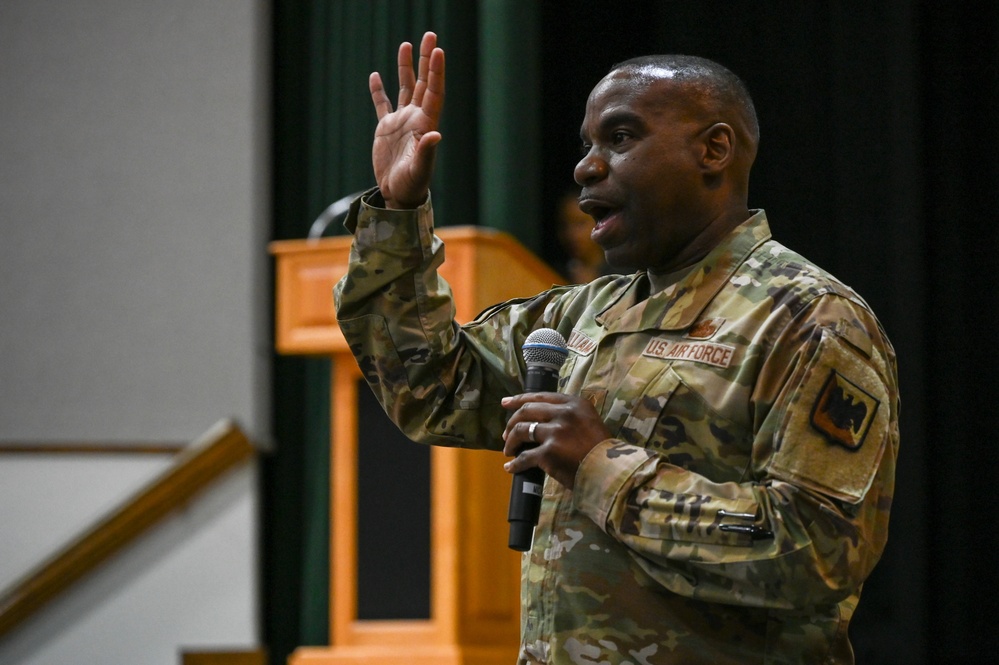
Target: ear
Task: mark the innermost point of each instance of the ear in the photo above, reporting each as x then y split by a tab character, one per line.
718	148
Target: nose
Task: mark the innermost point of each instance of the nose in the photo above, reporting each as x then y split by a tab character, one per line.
590	169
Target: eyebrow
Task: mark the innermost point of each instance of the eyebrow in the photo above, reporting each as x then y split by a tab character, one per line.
619	117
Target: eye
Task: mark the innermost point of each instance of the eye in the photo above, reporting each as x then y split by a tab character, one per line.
620	136
584	149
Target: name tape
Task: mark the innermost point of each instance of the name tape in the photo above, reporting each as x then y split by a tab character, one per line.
709	353
580	343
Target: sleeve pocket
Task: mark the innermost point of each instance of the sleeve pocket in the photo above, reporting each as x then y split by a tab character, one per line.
833	433
380	364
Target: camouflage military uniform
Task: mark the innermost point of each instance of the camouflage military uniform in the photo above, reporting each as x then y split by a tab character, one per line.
745	495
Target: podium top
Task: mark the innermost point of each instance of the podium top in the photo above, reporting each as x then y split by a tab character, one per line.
476	257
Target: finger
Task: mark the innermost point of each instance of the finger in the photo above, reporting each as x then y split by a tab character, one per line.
528	459
406	80
518	438
432	96
520	415
528	408
383	105
514	402
427	47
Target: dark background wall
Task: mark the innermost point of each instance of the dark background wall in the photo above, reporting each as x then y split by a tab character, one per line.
878	162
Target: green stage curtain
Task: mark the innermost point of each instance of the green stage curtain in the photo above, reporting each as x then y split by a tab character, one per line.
323	122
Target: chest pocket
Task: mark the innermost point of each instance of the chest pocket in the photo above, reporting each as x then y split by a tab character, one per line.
637	404
677	422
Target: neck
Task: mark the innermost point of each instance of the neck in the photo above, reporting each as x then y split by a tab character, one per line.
706	240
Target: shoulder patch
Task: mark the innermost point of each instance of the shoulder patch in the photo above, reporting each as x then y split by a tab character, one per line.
843	411
835	424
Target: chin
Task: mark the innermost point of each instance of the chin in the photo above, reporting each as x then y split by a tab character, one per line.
621	259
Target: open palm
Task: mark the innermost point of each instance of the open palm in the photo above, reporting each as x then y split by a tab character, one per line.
406	138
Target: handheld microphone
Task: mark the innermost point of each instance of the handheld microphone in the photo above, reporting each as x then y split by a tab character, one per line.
544	353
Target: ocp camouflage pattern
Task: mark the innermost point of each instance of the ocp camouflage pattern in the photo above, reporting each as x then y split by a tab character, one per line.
744	498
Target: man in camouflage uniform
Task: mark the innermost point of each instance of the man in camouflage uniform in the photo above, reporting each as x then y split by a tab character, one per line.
721	451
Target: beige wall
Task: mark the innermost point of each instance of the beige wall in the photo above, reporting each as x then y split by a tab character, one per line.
133	304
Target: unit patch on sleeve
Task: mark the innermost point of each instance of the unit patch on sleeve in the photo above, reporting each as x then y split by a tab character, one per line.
843	412
834	423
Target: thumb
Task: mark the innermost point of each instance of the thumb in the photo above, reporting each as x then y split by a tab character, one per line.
426	151
422	166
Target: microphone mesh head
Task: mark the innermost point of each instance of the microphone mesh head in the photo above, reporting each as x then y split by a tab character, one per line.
545	347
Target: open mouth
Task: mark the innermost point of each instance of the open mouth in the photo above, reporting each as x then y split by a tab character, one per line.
600	213
604	214
598	210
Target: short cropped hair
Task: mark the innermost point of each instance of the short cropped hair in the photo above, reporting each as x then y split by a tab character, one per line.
719	86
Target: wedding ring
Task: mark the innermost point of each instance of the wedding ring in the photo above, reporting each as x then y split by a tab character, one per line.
530	432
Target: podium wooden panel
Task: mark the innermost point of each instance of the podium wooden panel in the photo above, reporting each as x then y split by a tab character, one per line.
475	578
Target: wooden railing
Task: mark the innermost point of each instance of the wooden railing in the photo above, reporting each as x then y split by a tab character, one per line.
194	468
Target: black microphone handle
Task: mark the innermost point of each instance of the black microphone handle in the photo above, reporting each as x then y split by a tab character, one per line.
525	494
525	507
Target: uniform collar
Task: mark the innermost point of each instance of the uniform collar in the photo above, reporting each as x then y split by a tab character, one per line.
680	306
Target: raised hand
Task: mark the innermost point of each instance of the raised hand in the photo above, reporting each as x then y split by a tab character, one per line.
406	139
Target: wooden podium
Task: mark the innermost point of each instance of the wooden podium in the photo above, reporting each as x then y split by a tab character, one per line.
474	577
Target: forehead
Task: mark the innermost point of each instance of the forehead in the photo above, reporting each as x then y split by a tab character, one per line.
646	91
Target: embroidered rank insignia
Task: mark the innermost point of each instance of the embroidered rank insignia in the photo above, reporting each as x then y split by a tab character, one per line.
843	412
705	329
596	397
